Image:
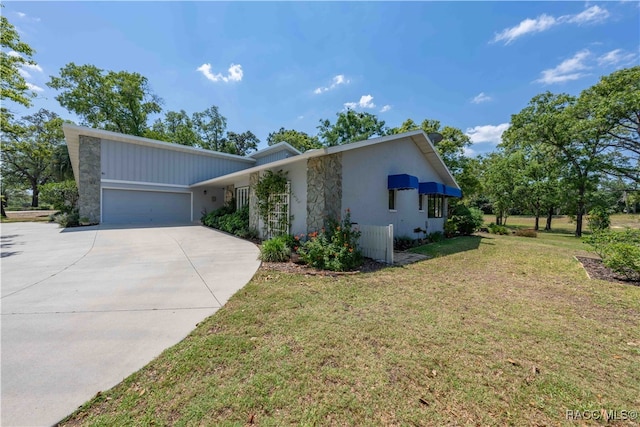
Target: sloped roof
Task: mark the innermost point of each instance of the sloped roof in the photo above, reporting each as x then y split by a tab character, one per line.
281	146
418	137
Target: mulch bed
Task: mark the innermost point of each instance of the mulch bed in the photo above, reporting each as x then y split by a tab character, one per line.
597	270
290	267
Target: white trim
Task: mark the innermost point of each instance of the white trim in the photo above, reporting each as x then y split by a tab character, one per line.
157	184
280	146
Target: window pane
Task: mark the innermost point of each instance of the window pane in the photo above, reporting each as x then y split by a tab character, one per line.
392	199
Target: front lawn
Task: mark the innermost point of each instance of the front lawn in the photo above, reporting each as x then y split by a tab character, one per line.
493	330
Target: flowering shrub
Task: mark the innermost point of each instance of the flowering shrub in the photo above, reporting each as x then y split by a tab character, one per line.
334	248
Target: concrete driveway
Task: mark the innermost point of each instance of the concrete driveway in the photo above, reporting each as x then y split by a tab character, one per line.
84	308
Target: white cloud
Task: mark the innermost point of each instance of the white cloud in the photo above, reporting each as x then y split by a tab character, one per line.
541	23
14	54
487	133
385	108
366	101
569	69
26	17
338	80
24	73
34	67
34	88
480	98
469	152
21	14
593	14
616	57
234	73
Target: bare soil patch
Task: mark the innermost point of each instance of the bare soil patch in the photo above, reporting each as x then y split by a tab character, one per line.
597	270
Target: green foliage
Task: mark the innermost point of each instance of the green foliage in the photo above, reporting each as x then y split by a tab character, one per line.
30	158
334	248
619	250
63	196
67	219
230	220
435	237
275	249
13	86
598	219
526	232
299	140
402	243
463	221
498	229
270	183
116	101
350	126
240	144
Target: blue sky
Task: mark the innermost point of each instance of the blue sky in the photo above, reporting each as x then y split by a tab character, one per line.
268	65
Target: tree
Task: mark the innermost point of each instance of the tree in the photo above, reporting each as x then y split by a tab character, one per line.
210	126
612	109
350	126
299	140
13	87
116	101
240	144
499	177
177	127
28	158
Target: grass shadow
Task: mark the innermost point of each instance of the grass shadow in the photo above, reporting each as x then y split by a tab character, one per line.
449	246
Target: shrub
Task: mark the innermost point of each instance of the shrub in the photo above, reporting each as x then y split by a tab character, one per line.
463	220
623	258
233	221
402	243
435	237
275	250
67	219
498	229
526	232
335	248
619	250
598	219
63	196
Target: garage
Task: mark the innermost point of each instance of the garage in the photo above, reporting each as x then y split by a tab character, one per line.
145	207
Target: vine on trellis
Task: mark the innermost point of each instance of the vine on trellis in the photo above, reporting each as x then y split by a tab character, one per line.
271	183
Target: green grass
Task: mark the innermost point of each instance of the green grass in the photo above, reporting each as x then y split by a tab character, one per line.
494	330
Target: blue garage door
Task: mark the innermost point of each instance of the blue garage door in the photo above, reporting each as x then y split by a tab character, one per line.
145	207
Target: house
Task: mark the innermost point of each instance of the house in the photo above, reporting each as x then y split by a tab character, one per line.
397	179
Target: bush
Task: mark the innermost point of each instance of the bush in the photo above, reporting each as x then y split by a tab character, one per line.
335	248
402	243
526	232
67	219
598	219
498	229
435	237
463	220
63	196
619	250
275	250
233	221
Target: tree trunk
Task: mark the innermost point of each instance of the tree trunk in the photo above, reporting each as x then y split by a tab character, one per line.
579	214
498	219
4	214
547	227
537	224
34	196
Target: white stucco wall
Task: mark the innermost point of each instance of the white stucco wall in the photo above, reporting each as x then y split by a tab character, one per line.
364	186
211	201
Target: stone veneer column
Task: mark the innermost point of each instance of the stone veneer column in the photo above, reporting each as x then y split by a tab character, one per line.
254	214
89	175
229	193
324	190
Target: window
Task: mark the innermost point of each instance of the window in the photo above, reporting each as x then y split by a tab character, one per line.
435	203
242	197
392	200
421	202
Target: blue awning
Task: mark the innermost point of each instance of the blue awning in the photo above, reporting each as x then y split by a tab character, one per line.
438	188
452	191
431	188
402	182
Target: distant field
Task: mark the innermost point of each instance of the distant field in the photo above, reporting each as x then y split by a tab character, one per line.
564	224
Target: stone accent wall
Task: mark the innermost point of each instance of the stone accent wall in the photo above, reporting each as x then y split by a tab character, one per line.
89	175
254	214
324	190
229	193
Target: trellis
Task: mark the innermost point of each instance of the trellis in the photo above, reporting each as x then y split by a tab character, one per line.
278	220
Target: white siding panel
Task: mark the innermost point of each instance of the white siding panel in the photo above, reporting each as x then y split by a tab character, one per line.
132	162
278	155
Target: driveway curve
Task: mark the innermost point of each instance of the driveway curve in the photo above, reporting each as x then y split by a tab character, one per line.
84	308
